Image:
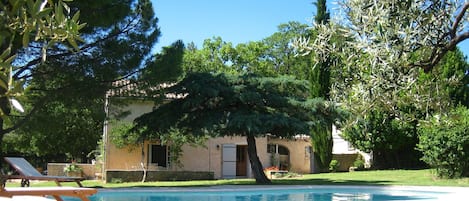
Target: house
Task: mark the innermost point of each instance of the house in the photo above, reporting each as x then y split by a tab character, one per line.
221	157
345	153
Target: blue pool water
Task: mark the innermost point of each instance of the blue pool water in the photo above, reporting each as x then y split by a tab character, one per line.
280	193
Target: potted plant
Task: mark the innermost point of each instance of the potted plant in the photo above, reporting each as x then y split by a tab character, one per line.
268	171
73	170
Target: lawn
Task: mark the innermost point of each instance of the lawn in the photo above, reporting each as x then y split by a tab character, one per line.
382	177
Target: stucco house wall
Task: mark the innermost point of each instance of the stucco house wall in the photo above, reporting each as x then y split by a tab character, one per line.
300	156
128	158
209	157
342	148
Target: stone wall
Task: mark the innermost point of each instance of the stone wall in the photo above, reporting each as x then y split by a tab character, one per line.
135	176
57	169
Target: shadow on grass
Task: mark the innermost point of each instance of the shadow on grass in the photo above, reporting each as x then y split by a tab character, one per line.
235	182
329	182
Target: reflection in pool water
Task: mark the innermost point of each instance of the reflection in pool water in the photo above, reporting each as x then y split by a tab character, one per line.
280	193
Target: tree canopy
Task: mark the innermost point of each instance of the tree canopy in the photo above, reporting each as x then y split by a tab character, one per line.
237	105
400	65
390	42
70	86
26	25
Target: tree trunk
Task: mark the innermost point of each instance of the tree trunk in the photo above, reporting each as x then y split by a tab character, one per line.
256	164
5	109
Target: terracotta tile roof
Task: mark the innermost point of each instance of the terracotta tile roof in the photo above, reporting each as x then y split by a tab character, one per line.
128	88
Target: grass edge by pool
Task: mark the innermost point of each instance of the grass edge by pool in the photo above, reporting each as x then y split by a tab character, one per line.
423	177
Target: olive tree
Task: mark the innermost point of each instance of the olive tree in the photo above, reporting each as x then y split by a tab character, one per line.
389	43
44	23
391	46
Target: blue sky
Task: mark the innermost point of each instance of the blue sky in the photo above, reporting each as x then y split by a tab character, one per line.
236	21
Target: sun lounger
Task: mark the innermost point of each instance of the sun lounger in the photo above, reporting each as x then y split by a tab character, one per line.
55	192
27	172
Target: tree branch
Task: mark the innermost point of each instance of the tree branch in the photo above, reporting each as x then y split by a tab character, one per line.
33	62
458	19
439	52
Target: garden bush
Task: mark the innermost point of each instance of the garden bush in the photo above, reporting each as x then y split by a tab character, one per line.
334	166
359	163
444	142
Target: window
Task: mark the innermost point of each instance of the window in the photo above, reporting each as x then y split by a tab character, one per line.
159	155
282	150
277	149
271	148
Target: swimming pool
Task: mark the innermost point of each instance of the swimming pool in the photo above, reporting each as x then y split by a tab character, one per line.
281	193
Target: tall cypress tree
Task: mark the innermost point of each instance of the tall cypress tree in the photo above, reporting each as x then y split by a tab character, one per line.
320	87
322	15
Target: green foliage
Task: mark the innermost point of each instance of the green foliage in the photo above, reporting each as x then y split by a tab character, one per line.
235	105
389	130
65	94
280	54
213	57
453	73
271	56
321	140
444	142
382	83
55	125
334	165
391	140
390	43
118	180
165	67
320	79
322	15
359	163
121	135
392	32
23	23
72	168
176	139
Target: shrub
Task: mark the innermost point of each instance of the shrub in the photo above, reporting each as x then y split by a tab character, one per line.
444	142
117	180
359	164
334	165
72	168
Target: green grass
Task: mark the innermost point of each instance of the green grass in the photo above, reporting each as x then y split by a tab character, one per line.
383	177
